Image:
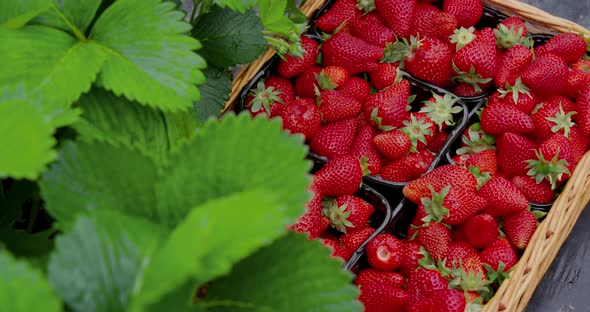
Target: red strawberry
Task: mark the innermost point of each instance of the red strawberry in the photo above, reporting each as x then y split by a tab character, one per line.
312	221
338	251
397	15
372	276
579	143
357	88
583	108
476	62
372	30
513	152
355	55
292	66
463	255
500	118
467	12
385	252
448	300
486	161
518	96
387	108
481	230
306	83
383	76
553	115
452	205
540	193
547	74
348	212
284	85
381	297
577	81
519	228
335	139
423	281
407	168
498	252
393	144
467	90
440	177
301	116
335	105
428	22
437	142
331	77
340	176
569	46
554	161
440	110
582	65
342	11
264	101
435	237
420	129
510	32
410	258
511	65
474	140
353	240
503	197
363	147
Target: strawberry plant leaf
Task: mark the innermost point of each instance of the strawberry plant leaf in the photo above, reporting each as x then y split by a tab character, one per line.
229	38
236	5
70	15
98	265
23	288
27	141
272	14
23	244
254	282
203	252
150	57
15	14
214	93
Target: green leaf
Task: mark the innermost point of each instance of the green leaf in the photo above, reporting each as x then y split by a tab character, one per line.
205	245
26	140
272	14
48	67
98	265
15	14
23	288
70	15
23	244
229	38
236	5
215	92
293	274
150	57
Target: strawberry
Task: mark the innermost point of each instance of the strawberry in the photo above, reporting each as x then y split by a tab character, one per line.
518	96
503	197
540	193
582	65
475	140
583	108
546	75
354	239
577	81
357	88
312	221
335	105
301	116
393	144
423	281
476	62
384	252
452	205
511	65
420	129
513	152
335	139
372	276
553	115
363	147
348	212
387	109
306	83
407	168
510	32
448	300
265	101
463	255
435	237
440	109
284	85
467	12
410	258
292	66
486	161
426	58
569	46
381	297
498	252
461	37
383	76
466	90
519	228
397	15
437	142
372	30
340	176
331	77
579	143
338	251
481	230
500	118
554	161
343	11
351	53
429	22
440	177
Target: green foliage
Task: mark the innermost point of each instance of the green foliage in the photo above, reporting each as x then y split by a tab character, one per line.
18	13
214	93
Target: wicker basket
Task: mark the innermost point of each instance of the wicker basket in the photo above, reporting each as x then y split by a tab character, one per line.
515	293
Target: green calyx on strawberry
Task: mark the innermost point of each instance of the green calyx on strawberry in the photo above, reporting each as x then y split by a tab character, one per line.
325	82
472	78
366	5
440	109
476	140
469	281
379	121
417	129
264	97
427	262
434	206
506	37
551	170
284	47
563	121
482	177
497	276
337	214
516	90
364	161
398	51
463	36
